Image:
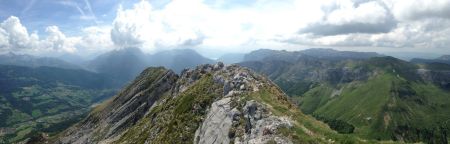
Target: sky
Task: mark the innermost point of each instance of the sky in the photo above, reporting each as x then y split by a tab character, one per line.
90	27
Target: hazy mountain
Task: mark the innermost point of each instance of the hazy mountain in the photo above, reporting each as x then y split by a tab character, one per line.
231	58
46	99
267	54
73	58
178	59
377	98
122	65
334	54
442	59
209	104
33	61
125	64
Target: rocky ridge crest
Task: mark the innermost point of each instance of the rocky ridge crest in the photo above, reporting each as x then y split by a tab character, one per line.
208	104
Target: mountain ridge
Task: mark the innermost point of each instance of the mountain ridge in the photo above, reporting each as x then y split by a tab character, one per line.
211	103
34	61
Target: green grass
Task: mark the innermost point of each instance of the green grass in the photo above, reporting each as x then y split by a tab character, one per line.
306	129
383	105
36	113
314	98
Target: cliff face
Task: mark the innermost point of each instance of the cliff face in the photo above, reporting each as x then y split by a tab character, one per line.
209	104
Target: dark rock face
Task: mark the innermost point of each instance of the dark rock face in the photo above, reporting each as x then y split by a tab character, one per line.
440	78
341	75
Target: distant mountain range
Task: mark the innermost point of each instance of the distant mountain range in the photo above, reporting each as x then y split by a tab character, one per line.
125	64
443	59
231	58
33	61
267	54
178	59
365	94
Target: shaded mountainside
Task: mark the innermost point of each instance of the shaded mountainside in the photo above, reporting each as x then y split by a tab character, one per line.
208	104
377	98
45	99
122	65
125	64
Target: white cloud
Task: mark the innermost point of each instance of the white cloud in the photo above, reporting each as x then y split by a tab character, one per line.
347	16
95	39
291	24
419	9
15	33
14	37
4	42
142	26
370	12
56	40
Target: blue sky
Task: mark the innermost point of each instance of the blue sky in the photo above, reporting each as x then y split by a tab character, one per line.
84	27
69	15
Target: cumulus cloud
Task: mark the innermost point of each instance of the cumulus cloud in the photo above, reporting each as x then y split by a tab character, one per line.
344	17
141	26
14	37
15	33
131	27
56	40
419	9
95	39
419	24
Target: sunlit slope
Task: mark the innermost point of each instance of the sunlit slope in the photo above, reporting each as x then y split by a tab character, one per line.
379	98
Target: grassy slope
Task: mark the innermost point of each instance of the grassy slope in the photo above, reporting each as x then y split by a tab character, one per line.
383	105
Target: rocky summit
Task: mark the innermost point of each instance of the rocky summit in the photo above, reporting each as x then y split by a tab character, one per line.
208	104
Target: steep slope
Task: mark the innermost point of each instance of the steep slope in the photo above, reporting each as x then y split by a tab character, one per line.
32	61
209	104
378	98
45	99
